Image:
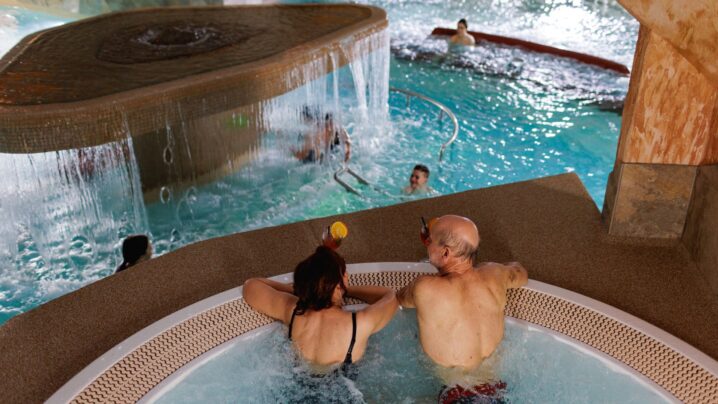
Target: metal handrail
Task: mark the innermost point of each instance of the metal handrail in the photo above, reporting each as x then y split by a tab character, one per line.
443	110
346	186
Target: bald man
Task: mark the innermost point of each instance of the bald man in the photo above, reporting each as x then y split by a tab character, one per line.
461	311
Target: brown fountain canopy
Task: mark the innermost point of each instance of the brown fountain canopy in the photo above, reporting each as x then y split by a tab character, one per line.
89	82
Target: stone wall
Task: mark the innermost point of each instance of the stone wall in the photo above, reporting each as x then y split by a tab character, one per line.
670	121
701	235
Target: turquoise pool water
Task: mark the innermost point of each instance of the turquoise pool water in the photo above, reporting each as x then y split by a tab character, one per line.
16	22
536	366
522	116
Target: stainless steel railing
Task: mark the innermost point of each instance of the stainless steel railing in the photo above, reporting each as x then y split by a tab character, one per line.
443	109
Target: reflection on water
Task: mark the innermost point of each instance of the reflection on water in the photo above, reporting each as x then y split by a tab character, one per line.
522	116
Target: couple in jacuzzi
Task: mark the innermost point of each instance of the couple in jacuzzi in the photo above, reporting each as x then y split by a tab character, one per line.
460	312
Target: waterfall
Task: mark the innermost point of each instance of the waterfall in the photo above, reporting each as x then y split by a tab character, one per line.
64	216
66	213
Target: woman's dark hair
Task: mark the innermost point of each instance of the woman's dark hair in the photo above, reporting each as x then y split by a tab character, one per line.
133	248
316	277
463	21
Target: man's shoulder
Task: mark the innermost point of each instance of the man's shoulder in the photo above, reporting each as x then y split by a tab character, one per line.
491	270
427	284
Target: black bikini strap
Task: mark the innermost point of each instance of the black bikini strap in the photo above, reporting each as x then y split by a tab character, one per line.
291	322
348	358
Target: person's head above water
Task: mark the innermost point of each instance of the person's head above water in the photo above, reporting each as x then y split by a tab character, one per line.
419	177
135	249
320	280
462	36
462	26
454	243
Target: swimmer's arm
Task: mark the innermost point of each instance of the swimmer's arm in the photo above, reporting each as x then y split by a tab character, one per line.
269	297
383	304
405	296
347	144
516	275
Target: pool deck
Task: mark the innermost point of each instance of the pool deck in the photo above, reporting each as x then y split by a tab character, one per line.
551	225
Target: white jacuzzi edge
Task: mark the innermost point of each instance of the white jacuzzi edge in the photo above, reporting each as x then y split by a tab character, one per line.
85	377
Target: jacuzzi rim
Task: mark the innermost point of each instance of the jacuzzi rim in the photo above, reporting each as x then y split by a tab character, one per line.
175	378
84	378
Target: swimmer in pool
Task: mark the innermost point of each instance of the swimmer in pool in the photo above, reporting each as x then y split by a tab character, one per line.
418	181
326	136
462	36
324	333
461	311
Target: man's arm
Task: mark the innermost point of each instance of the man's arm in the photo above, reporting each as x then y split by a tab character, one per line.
269	297
407	296
382	304
516	274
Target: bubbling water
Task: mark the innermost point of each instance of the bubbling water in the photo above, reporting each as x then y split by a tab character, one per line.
535	365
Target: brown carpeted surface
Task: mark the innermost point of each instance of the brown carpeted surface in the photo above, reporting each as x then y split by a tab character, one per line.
551	225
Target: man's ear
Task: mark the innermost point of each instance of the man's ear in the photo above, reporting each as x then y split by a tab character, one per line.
445	252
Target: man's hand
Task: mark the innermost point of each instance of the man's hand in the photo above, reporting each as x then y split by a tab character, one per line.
516	274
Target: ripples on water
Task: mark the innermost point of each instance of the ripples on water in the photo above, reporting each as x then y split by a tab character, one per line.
522	116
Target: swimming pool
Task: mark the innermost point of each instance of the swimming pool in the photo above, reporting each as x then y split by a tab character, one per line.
522	116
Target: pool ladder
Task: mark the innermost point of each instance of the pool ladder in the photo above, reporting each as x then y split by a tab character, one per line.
349	188
443	109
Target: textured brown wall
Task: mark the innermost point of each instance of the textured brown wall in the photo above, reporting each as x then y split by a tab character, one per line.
701	234
672	108
651	201
669	128
689	25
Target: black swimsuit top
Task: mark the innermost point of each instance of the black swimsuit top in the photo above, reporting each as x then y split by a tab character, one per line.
348	358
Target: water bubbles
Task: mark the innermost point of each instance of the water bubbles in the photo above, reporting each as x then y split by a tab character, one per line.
175	239
190	195
165	195
168	155
80	252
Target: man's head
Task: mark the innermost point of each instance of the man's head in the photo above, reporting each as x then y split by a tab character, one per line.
453	240
319	280
462	26
419	176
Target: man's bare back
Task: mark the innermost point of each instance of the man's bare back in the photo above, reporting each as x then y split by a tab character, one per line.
461	316
461	311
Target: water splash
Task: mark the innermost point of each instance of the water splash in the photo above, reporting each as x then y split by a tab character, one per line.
68	211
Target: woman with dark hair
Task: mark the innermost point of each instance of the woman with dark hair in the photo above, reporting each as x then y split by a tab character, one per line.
324	333
135	249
